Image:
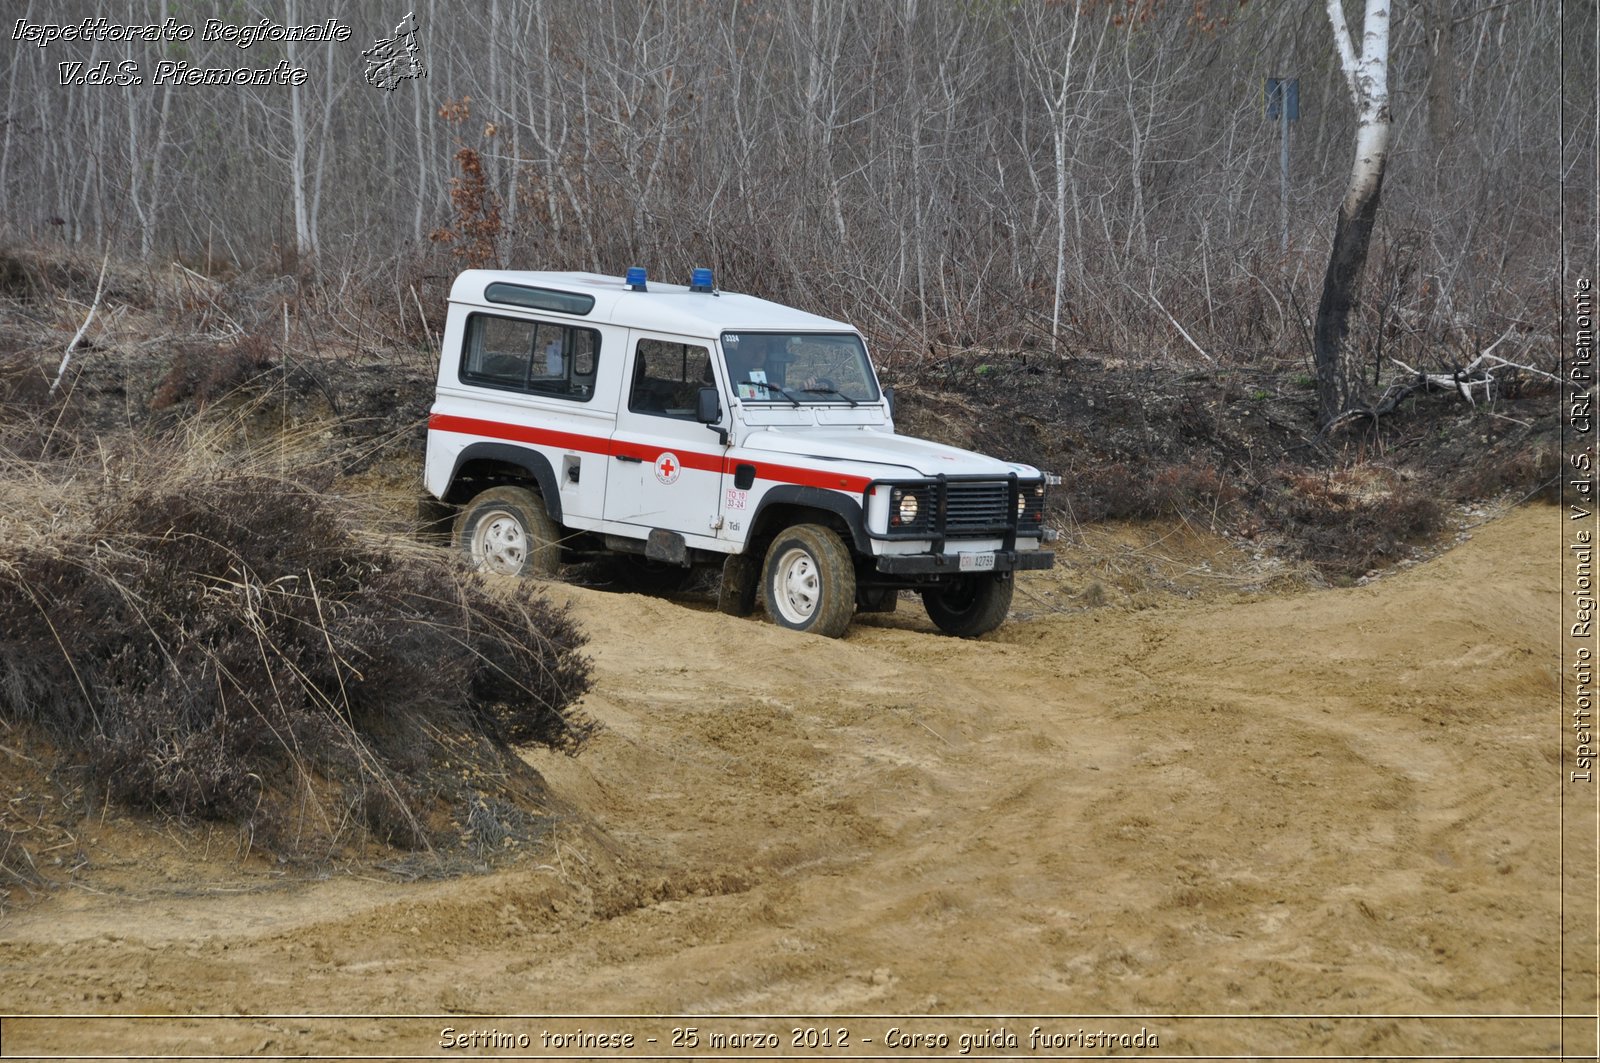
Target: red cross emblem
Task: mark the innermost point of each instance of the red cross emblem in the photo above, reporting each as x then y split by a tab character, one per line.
667	468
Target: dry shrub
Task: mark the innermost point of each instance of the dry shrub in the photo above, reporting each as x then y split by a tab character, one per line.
1525	467
1348	521
477	221
225	647
18	278
203	373
1124	491
475	230
35	422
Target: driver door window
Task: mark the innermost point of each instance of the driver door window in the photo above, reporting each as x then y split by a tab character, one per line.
667	378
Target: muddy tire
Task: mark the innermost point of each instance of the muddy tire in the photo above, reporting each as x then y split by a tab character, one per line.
970	606
810	581
736	590
507	531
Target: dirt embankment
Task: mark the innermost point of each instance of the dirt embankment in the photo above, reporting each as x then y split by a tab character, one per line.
1334	801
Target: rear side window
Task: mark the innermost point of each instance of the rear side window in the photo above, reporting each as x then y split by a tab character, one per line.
536	357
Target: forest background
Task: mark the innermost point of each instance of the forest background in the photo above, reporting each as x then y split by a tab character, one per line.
1069	179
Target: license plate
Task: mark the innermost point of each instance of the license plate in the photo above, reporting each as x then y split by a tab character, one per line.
983	562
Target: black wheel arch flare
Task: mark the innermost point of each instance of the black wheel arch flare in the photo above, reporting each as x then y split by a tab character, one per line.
798	496
530	461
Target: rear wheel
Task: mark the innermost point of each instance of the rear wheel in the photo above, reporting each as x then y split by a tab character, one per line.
970	605
507	531
810	581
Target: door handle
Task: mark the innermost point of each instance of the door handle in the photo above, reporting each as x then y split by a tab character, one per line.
629	457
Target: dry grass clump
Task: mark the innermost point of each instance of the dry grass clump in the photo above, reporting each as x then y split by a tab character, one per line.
1347	521
1344	521
204	372
34	420
24	383
219	643
1195	488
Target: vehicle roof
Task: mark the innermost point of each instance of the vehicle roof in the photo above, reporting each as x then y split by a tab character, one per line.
663	307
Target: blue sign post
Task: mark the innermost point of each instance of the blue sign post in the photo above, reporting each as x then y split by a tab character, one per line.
1283	106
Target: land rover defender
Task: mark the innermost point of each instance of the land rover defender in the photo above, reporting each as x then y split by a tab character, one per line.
678	426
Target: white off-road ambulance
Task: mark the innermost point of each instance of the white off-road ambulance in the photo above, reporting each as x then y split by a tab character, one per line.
676	426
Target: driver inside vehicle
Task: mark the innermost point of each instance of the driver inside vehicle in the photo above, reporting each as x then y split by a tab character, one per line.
749	366
761	361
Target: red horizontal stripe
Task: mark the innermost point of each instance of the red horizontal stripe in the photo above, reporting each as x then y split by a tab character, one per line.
651	451
789	474
518	433
690	459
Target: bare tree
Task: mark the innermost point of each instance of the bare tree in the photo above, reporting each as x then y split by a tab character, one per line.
1367	76
1021	175
304	227
1439	23
1048	59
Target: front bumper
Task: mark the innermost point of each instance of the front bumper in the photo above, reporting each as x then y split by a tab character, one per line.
950	564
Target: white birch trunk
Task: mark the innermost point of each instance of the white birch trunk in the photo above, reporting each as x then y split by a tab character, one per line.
1366	74
305	241
1061	118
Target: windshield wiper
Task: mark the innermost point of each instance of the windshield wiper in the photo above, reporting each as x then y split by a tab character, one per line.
770	386
832	391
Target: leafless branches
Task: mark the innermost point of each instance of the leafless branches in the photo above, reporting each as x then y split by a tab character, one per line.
1074	177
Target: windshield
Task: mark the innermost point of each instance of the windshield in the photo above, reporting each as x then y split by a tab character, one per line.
795	367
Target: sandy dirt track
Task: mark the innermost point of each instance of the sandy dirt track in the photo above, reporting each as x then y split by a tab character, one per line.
1329	801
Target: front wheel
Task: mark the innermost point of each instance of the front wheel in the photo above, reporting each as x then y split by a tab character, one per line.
810	581
506	530
971	605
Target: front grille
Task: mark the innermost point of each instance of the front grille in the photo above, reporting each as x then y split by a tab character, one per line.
961	508
976	507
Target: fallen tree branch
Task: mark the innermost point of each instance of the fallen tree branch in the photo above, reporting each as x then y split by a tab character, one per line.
1475	374
66	358
1513	420
1181	330
1459	381
1504	363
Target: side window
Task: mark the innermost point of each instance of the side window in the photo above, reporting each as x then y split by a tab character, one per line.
538	357
549	355
667	378
497	351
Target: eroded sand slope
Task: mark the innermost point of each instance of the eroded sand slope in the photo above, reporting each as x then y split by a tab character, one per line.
1323	801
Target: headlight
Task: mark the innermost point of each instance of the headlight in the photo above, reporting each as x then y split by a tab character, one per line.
1030	504
904	507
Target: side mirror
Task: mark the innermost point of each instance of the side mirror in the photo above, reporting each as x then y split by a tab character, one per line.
888	396
708	411
708	406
